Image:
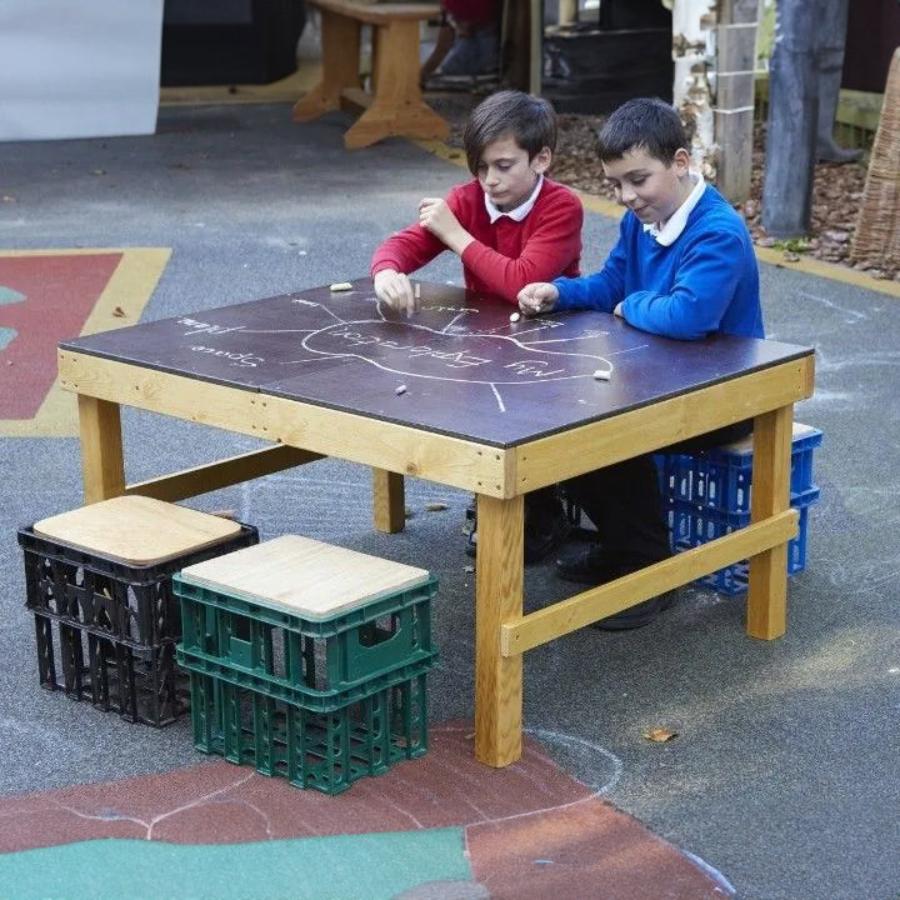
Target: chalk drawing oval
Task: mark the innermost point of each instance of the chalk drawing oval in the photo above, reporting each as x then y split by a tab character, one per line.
417	351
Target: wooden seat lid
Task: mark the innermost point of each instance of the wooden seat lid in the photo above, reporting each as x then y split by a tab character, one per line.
745	445
140	531
307	578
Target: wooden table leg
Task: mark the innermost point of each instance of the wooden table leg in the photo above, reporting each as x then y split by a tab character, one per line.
102	466
767	592
499	574
340	67
388	501
398	107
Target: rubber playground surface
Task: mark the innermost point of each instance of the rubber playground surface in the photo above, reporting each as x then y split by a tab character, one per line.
783	777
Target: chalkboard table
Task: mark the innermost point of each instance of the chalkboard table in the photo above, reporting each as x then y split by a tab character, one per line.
460	395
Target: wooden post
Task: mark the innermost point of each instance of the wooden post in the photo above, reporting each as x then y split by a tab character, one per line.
388	501
498	599
537	47
515	59
568	12
767	592
340	67
735	67
102	465
793	115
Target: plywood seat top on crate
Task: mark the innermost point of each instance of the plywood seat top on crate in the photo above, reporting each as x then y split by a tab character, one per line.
304	577
745	445
137	530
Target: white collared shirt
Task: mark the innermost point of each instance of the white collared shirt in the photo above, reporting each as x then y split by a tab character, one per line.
520	211
671	231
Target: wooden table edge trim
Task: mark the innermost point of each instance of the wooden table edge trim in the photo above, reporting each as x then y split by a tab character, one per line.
441	458
556	457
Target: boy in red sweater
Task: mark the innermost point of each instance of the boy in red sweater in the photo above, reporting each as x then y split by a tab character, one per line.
510	226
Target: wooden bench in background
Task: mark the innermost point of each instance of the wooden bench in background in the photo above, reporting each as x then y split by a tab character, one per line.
395	107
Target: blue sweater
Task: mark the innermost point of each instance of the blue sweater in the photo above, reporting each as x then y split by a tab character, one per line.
707	281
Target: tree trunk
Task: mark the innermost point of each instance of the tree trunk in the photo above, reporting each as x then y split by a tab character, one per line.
793	116
692	22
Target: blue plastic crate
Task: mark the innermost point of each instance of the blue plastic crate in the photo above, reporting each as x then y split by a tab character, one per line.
720	479
690	526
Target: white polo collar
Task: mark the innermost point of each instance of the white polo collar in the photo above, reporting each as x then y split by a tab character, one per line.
671	231
520	211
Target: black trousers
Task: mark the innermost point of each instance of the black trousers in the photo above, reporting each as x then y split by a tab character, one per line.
624	503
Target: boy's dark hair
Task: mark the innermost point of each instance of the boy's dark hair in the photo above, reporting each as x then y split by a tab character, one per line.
530	120
646	123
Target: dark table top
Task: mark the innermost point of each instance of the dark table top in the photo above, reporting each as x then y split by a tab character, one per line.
467	370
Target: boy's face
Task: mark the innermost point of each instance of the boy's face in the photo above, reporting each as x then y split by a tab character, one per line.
506	174
649	187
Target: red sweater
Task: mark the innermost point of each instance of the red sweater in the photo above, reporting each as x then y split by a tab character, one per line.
476	12
505	256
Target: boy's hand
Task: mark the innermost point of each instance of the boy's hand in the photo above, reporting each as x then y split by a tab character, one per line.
396	290
435	216
538	297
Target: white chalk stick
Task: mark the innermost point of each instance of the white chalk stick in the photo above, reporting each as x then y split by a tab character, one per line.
340	286
603	374
418	292
400	390
514	317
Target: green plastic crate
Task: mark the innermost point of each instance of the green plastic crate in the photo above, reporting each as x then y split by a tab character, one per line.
325	751
292	658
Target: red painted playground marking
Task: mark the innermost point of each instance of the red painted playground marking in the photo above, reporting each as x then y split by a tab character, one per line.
60	291
531	830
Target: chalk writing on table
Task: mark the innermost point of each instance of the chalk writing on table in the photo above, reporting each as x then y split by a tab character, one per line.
455	349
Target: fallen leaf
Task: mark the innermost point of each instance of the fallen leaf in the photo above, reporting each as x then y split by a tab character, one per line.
119	313
660	735
435	507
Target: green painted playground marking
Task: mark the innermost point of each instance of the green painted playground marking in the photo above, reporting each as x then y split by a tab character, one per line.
8	295
345	867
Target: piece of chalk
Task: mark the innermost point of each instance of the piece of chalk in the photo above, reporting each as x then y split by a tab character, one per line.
514	317
603	374
340	286
401	389
418	292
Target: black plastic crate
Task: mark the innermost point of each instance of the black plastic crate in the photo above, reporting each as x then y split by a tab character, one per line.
130	604
142	684
326	751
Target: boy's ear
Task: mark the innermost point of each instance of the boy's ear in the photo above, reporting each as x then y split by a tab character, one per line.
541	160
681	161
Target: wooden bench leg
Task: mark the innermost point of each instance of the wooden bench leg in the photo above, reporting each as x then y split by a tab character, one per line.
767	591
397	108
389	503
340	67
102	465
498	598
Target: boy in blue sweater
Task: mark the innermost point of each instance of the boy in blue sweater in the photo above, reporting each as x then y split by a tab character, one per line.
684	268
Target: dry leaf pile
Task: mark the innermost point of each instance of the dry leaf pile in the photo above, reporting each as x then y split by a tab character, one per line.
837	189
